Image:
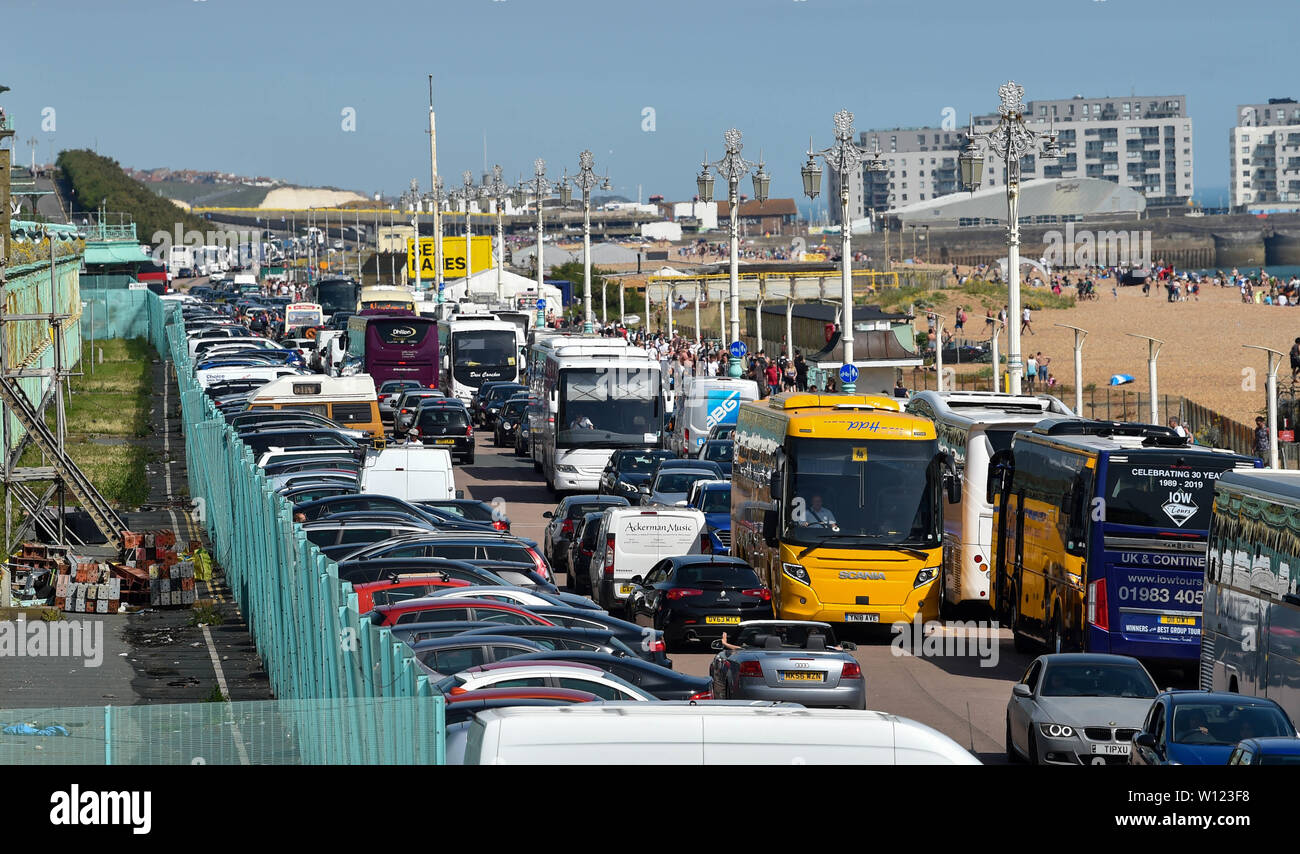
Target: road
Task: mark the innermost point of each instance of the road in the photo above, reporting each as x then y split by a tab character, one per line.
953	693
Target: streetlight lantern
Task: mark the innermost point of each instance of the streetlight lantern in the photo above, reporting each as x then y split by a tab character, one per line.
812	175
566	191
704	183
762	182
519	197
971	162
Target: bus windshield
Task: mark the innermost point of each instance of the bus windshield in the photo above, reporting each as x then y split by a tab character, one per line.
1163	490
337	296
485	347
604	407
877	491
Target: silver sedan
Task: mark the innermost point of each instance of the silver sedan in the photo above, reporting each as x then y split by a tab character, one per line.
1078	709
790	661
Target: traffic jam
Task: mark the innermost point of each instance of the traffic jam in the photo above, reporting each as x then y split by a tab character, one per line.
722	560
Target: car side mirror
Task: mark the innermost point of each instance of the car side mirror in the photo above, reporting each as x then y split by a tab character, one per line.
548	515
644	488
1022	690
770	521
460	494
717	644
848	646
1145	739
636	579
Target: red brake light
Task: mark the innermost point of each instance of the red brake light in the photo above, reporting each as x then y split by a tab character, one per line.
761	592
608	571
1098	610
658	645
540	563
500	525
703	695
469	430
683	592
752	669
851	670
566	527
433	385
706	543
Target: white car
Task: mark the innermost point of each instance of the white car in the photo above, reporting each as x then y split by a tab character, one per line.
517	596
580	677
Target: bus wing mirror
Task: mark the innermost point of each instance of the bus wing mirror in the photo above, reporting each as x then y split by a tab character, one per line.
770	526
774	486
952	484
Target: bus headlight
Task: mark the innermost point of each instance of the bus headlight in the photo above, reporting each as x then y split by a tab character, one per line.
925	576
566	468
797	572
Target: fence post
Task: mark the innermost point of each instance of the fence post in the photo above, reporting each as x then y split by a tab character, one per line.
108	735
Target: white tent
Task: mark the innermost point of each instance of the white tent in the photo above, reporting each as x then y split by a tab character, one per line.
482	287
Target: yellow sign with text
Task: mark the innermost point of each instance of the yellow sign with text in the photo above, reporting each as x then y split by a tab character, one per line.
453	256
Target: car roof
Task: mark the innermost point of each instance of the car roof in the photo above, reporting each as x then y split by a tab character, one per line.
465	640
782	623
1178	696
484	695
1282	744
443	602
535	663
1088	658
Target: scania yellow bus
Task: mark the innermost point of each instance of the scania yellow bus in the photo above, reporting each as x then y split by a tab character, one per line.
835	503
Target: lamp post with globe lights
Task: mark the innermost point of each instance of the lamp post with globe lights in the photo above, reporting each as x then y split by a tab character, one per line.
732	167
1010	140
843	158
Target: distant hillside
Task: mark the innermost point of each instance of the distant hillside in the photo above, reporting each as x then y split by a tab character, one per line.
210	195
95	178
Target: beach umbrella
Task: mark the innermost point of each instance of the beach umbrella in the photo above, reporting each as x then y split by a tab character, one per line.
1120	379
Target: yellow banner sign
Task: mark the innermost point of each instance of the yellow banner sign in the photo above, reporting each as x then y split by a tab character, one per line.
453	256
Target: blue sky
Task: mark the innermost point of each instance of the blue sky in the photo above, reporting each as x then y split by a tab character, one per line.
260	87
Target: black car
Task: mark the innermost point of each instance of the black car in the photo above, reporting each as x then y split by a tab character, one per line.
260	441
559	531
490	404
513	412
477	398
685	463
648	643
472	510
582	548
698	597
565	638
663	683
444	426
628	469
405	406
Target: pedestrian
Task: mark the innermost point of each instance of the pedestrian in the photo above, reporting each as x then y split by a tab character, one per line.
961	319
1031	373
1260	448
800	372
1295	359
1025	322
1177	427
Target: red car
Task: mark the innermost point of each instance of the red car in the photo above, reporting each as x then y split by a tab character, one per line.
458	610
459	696
403	589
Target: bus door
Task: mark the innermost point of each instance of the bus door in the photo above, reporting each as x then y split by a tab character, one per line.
996	494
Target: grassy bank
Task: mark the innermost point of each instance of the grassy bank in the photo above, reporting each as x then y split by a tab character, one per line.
107	416
976	295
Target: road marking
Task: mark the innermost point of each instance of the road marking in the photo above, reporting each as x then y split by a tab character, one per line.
225	692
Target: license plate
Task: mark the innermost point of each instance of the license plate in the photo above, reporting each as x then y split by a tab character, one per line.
730	621
862	618
1166	620
802	676
625	589
445	442
1112	749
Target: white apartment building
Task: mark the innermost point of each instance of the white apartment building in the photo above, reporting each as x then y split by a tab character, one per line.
1142	143
1264	153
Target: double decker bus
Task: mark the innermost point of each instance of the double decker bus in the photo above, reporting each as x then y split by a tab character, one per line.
1099	539
973	427
477	349
835	503
1250	642
590	396
334	295
395	346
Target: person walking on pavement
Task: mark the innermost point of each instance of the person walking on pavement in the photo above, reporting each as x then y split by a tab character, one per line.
1260	448
1025	322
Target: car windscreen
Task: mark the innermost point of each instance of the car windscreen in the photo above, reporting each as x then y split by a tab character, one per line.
640	462
716	574
577	509
792	636
717	501
719	452
1227	723
443	419
1076	679
1165	490
674	482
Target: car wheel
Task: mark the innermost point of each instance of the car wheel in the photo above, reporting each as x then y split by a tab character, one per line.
1012	755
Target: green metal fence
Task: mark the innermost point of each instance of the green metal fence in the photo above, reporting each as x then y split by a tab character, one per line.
354	731
313	641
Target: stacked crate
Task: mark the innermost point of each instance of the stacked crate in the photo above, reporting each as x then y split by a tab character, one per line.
171	580
87	587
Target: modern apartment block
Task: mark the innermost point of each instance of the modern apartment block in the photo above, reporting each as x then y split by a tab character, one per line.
1140	142
1264	150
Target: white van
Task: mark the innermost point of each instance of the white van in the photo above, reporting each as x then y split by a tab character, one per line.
410	472
702	403
707	733
633	539
243	372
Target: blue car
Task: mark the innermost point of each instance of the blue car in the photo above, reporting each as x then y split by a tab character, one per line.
713	498
1204	727
1266	751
